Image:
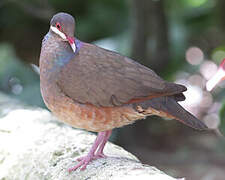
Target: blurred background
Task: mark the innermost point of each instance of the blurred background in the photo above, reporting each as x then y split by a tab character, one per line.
183	41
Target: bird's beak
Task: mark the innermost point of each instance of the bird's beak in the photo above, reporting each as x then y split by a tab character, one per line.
72	43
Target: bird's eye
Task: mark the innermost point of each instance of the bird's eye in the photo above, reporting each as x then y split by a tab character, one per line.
58	26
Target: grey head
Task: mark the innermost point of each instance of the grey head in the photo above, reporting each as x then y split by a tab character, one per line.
62	25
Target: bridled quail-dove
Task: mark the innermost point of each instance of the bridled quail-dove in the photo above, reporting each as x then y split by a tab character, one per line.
92	88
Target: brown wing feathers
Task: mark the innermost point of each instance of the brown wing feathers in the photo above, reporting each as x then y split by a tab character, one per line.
104	78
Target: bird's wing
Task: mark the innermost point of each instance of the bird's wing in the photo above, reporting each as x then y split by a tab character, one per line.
104	78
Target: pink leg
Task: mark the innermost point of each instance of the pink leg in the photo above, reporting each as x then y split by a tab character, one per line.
99	143
99	152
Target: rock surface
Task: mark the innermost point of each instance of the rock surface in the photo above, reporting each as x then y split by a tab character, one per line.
34	145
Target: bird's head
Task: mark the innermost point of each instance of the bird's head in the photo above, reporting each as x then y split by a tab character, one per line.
63	25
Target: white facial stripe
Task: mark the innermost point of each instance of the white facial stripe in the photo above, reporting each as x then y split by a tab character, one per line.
55	30
73	47
63	36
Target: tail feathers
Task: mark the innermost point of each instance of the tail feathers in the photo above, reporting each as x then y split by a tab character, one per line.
169	106
179	97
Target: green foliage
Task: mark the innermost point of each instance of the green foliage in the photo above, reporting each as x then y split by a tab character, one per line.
222	118
218	54
17	79
194	3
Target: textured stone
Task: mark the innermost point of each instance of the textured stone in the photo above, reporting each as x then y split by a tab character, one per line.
34	145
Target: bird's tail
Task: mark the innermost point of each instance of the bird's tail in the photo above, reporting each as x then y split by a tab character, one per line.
168	107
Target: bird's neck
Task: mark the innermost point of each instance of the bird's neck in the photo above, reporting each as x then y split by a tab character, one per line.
56	53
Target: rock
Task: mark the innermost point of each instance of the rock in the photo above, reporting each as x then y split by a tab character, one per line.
34	145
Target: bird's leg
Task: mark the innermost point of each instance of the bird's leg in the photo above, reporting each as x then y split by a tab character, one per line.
99	153
99	143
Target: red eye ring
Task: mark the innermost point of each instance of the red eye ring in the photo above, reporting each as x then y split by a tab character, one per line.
58	26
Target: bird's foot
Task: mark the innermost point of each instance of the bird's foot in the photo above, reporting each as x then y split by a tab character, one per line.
84	161
100	155
94	157
98	145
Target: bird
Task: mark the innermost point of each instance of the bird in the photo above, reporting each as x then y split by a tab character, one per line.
95	89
